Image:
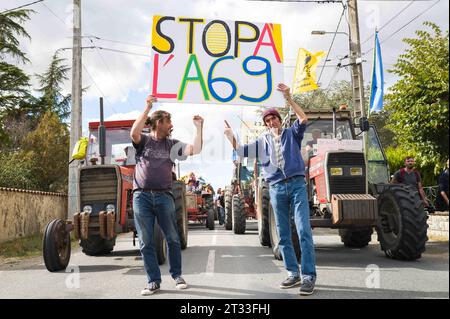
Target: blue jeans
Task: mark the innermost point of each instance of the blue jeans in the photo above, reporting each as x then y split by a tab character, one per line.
286	197
147	206
221	213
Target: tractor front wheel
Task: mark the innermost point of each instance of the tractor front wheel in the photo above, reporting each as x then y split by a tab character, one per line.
275	239
263	218
228	208
238	214
356	238
56	246
160	244
402	223
179	193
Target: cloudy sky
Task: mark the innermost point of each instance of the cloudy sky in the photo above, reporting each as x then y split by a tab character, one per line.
123	78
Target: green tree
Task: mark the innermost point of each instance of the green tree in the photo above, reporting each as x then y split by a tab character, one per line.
418	104
48	148
51	82
14	83
339	92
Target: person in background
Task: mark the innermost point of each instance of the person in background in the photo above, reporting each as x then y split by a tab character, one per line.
410	176
220	204
442	196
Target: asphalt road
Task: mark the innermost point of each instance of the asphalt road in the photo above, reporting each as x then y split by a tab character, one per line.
219	264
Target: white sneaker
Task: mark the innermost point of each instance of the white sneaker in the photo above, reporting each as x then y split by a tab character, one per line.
180	283
150	289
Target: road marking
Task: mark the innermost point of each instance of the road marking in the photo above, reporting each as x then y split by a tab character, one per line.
214	240
210	264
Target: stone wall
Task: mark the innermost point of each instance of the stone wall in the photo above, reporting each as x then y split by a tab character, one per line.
438	225
24	213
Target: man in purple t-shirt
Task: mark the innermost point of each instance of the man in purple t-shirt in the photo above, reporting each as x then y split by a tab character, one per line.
152	197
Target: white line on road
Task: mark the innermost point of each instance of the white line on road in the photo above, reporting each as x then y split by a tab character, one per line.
210	264
214	240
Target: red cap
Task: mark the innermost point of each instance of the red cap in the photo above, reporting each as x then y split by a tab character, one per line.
271	111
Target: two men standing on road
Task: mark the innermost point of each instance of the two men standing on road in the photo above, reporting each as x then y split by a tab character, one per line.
152	185
278	150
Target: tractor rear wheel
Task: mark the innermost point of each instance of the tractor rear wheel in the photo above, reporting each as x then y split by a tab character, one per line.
238	214
263	218
402	222
228	208
179	193
356	238
56	246
160	244
275	239
95	245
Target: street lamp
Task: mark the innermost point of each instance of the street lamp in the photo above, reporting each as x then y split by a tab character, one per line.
321	32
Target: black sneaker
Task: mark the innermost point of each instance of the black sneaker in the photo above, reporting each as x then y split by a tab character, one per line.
290	282
150	289
180	283
307	287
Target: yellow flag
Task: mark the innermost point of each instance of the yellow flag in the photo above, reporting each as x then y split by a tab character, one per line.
305	71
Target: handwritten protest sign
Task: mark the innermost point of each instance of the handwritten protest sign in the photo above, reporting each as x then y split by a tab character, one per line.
195	60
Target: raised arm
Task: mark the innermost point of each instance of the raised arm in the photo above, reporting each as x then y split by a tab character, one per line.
295	107
196	147
139	124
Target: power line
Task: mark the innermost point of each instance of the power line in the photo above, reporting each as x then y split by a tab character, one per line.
84	67
393	18
112	76
332	42
116	41
23	6
98	88
304	1
398	30
122	51
51	11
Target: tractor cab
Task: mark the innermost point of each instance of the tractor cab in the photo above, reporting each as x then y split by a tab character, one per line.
118	147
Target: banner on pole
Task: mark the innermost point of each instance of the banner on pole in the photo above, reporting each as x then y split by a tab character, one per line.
305	71
195	60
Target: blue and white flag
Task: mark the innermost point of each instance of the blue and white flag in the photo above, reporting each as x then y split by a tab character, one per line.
377	88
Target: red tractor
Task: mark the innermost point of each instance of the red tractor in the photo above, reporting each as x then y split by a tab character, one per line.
240	198
200	207
348	189
105	198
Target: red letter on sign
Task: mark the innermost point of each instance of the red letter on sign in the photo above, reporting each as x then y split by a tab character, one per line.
155	79
267	28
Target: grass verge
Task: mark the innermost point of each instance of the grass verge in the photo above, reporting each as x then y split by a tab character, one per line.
25	247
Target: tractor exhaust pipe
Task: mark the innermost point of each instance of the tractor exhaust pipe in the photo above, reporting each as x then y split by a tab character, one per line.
101	135
334	122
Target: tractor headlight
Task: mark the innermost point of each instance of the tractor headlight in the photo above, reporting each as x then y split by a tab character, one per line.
356	171
87	209
336	171
110	208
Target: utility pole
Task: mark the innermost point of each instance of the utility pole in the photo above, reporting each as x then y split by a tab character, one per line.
76	112
356	60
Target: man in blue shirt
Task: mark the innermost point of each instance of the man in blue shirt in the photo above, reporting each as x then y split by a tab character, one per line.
278	150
